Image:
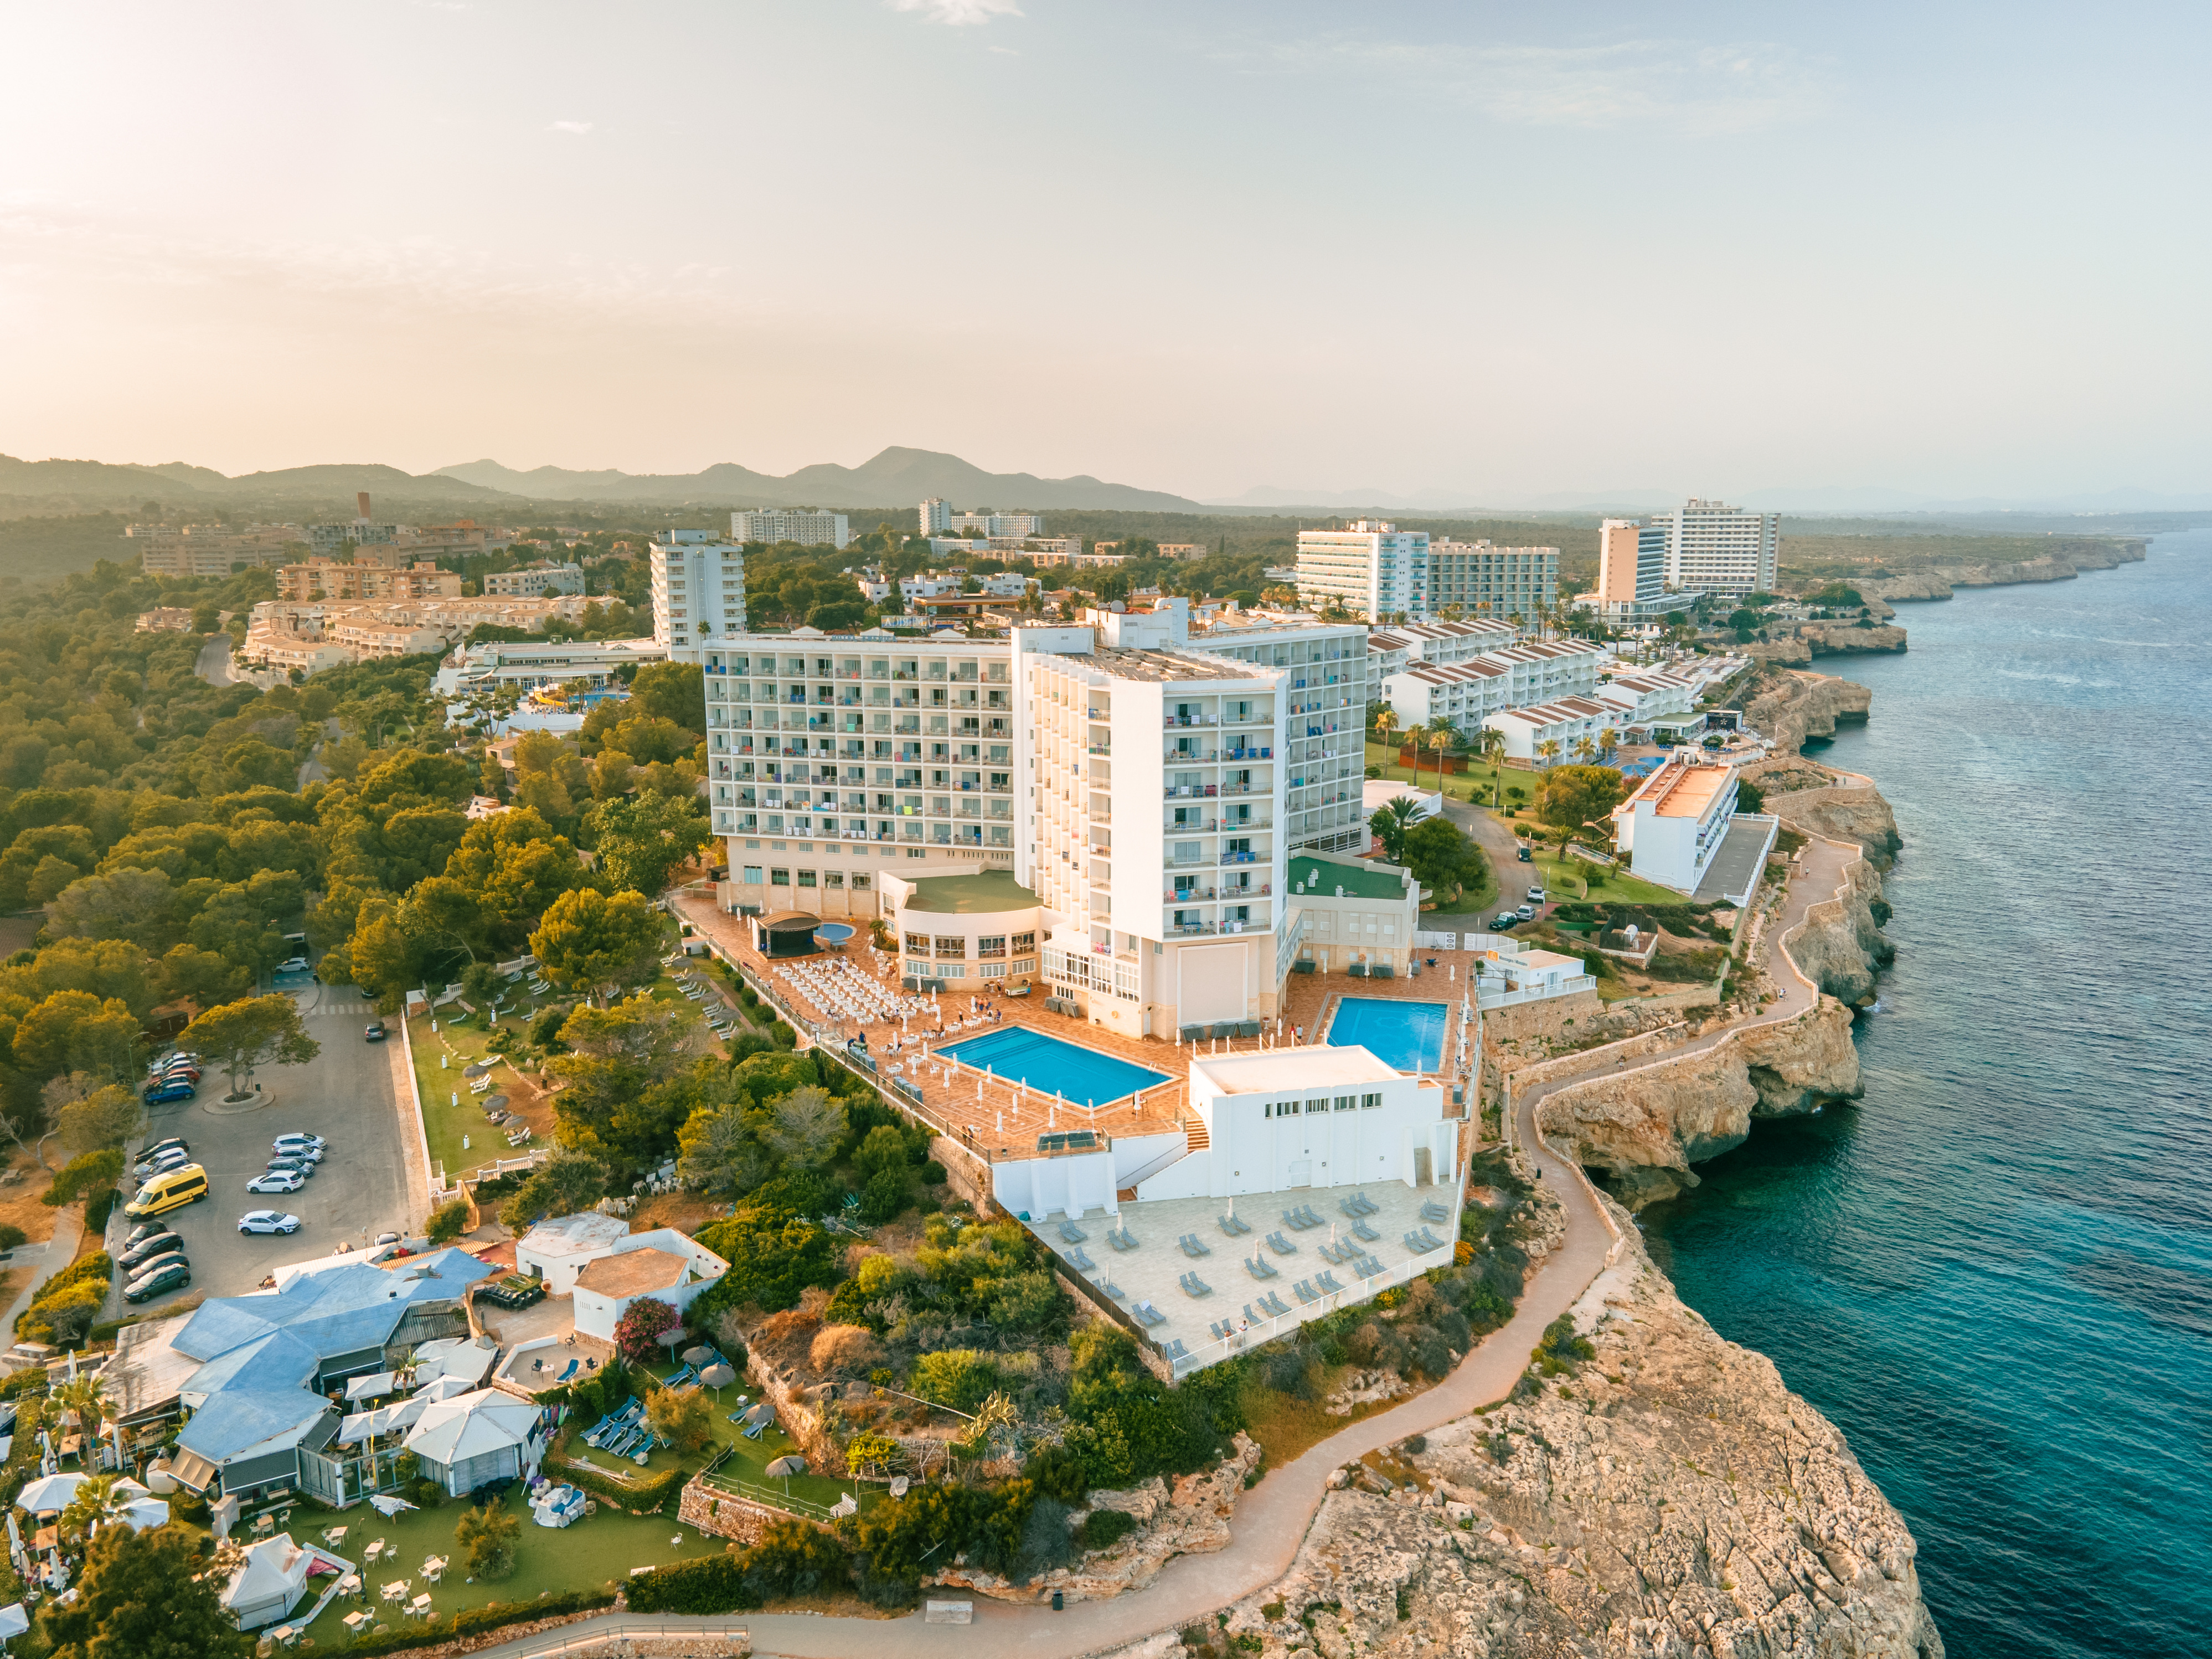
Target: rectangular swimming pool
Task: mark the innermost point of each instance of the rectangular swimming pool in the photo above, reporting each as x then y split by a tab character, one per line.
1409	1035
1083	1076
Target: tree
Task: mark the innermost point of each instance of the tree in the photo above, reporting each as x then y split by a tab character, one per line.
720	1153
565	1183
145	1594
641	839
1442	735
106	1116
240	1036
804	1127
1390	823
202	977
1442	858
1386	722
448	1222
1548	750
1572	797
77	1031
589	941
643	1323
487	1535
685	1417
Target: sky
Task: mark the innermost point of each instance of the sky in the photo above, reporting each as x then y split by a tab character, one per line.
1494	253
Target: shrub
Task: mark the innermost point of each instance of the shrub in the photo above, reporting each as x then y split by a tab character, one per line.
884	1197
644	1496
932	1174
79	1175
959	1377
11	1236
782	1036
848	1348
488	1535
685	1417
866	1450
1058	1471
99	1207
643	1323
1103	1529
448	1222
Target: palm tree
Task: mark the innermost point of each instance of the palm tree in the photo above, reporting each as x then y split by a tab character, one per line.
1608	740
1385	724
1584	749
1442	735
1489	744
1391	820
1548	750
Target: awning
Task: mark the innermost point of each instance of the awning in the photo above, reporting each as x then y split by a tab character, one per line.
193	1471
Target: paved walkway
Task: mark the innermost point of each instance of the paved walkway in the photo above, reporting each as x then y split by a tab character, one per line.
1272	1519
61	1250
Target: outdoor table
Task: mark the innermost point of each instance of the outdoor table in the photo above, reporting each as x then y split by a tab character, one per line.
356	1621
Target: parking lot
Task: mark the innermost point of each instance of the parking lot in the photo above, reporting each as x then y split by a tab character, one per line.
346	1095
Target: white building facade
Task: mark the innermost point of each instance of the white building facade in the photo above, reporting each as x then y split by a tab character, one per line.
698	592
1480	579
1674	823
806	525
1714	548
1373	568
1568	723
535	582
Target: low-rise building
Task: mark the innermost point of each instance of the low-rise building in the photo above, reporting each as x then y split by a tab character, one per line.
1653	699
166	619
1674	823
204	549
535	581
805	525
1346	910
326	579
1567	723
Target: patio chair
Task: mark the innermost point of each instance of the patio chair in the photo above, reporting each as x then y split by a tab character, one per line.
1079	1261
1251	1318
1192	1286
569	1373
1335	1252
1122	1239
1193	1246
1367	1267
1293	1221
1221	1328
1326	1280
1235	1225
1312	1218
1435	1212
1175	1349
1258	1266
1275	1305
1305	1291
1280	1245
1366	1234
1074	1234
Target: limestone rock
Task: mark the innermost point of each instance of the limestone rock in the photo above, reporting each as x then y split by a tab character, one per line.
1840	639
1841	944
1938	582
1791	705
1671	1500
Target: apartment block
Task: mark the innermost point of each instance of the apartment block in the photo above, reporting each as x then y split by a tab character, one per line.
535	581
1714	548
805	525
1511	676
698	592
1554	732
1397	649
198	549
1372	568
327	578
1017	526
1483	579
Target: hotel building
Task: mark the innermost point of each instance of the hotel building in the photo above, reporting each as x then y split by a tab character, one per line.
1374	569
1481	580
698	592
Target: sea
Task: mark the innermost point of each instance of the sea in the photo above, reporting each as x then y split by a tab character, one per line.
1994	1270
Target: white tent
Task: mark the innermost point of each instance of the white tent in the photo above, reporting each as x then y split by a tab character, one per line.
475	1438
268	1583
460	1357
370	1388
385	1419
14	1621
142	1513
445	1388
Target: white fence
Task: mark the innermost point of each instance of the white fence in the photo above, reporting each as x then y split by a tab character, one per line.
1489	999
1435	941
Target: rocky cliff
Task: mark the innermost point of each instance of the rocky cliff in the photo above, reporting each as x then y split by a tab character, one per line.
1938	582
1644	1128
1846	639
1669	1499
1842	806
1841	945
1791	705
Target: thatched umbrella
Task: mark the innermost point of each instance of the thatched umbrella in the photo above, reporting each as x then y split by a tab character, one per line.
718	1377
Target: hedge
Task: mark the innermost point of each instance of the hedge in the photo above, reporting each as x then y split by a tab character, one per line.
714	1584
475	1621
646	1497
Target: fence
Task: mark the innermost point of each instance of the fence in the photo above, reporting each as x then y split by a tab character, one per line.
604	1631
1565	986
805	1508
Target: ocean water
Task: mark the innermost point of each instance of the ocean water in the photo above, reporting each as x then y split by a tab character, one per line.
1995	1271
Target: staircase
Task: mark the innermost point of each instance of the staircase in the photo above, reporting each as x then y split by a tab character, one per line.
1194	1135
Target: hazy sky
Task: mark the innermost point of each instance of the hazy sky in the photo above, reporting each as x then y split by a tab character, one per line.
1501	251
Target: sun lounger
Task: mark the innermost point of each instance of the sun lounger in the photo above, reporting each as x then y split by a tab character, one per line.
1294	1221
1074	1234
1079	1261
1275	1305
1305	1291
1327	1280
1280	1245
1435	1212
1260	1268
1367	1267
1113	1290
1334	1252
1122	1239
757	1430
1312	1217
1194	1285
569	1373
1174	1350
1235	1225
1251	1318
1147	1315
1193	1245
1361	1230
1221	1329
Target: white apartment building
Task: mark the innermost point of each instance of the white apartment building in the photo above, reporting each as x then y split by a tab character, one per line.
1567	722
938	519
1441	642
1376	570
1482	580
1511	677
1655	697
936	516
1674	823
805	525
531	663
698	592
536	581
1714	548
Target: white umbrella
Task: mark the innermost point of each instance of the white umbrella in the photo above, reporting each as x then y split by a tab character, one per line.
388	1507
14	1621
718	1376
54	1491
144	1512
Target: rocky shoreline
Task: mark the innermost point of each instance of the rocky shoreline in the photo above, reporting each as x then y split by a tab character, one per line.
1941	581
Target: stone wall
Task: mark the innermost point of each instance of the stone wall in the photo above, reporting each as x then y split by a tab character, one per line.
725	1515
1851	809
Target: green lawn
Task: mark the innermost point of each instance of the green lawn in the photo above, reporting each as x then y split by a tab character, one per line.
1473	785
445	1123
1566	879
595	1553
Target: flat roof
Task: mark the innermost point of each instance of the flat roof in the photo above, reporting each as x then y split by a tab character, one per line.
1683	791
1323	878
1287	1071
633	1272
971	895
1170	667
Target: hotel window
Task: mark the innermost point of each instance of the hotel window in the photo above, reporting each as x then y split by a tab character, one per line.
833	877
1313	1106
917	944
991	947
1346	1102
859	881
1369	1102
952	947
779	878
752	875
806	878
1024	942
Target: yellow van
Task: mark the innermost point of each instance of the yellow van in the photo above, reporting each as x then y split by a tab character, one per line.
171	1190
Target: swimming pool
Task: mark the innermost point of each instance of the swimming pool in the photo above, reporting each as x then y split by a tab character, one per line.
1083	1076
1409	1035
832	932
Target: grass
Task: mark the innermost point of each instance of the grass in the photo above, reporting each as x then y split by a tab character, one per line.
595	1553
1286	1428
444	1123
748	1460
1472	785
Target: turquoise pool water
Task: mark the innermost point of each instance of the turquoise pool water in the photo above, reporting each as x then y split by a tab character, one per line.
1409	1035
832	932
1083	1076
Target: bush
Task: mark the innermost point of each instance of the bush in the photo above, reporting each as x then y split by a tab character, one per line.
845	1348
448	1222
643	1323
791	1558
932	1174
488	1536
1103	1529
644	1496
959	1377
782	1036
10	1236
79	1175
99	1207
886	1194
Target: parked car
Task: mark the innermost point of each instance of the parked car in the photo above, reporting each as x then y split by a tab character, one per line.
173	1256
162	1093
163	1145
147	1168
146	1249
298	1145
515	1291
375	1031
294	965
1536	895
1523	854
276	1181
1526	913
302	1167
268	1221
172	1275
1504	920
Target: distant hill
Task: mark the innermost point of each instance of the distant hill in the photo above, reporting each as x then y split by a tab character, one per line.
897	475
102	484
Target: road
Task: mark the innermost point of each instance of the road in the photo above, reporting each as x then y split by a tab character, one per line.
214	665
346	1094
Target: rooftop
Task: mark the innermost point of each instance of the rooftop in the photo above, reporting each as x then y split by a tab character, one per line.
979	894
633	1272
1322	876
1278	1069
1682	789
572	1235
1171	667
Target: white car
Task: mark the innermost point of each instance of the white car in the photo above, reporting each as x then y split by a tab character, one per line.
172	1159
310	1147
275	1181
268	1221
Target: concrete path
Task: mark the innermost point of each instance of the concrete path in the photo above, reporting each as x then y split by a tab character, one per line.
61	1250
213	664
1272	1519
